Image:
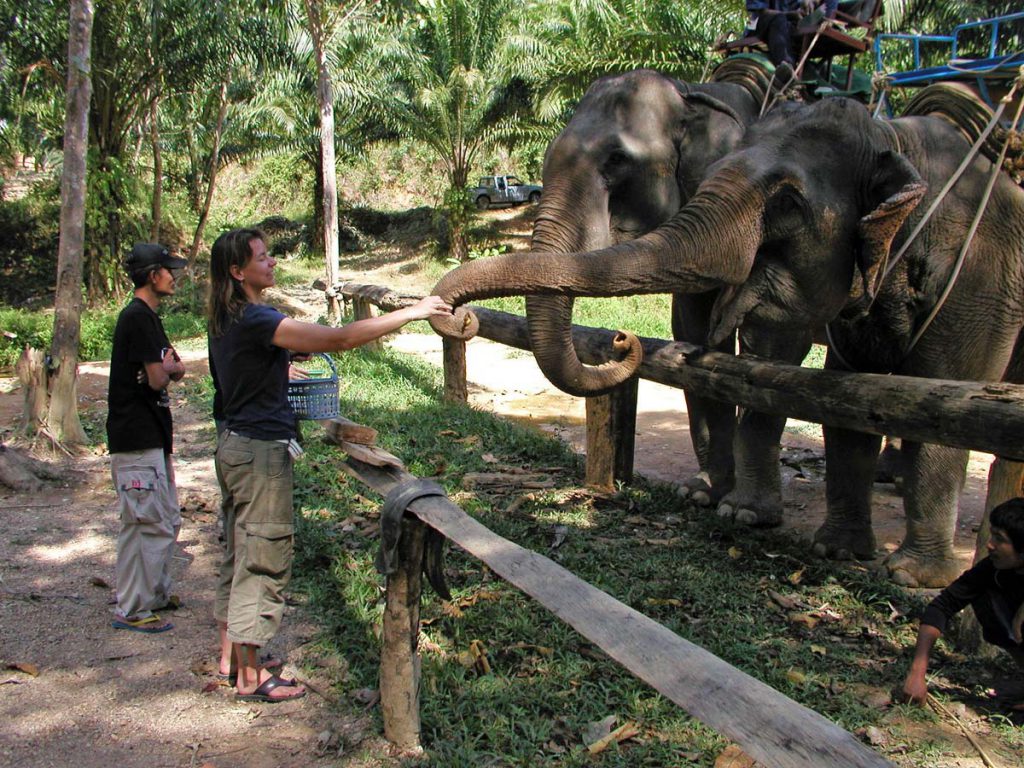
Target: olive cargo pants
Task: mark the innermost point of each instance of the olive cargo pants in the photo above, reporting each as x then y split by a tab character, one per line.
256	498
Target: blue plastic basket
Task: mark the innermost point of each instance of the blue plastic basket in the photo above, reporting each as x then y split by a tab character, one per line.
317	396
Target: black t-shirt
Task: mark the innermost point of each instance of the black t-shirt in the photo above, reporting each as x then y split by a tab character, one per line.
138	417
250	375
984	580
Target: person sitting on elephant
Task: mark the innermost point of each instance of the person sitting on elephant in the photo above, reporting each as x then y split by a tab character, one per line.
775	22
994	588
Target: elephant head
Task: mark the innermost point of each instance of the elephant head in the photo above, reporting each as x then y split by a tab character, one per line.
813	197
633	153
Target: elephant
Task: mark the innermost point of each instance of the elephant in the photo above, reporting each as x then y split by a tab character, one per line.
634	151
810	223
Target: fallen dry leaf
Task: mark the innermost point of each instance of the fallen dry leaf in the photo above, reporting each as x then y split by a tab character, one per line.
671	542
96	581
541	649
789	603
598	729
488	458
735	553
620	734
24	666
211	687
673	601
734	757
796	676
819	649
796	576
804	619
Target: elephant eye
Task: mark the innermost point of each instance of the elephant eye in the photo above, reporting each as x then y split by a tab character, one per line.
615	160
785	207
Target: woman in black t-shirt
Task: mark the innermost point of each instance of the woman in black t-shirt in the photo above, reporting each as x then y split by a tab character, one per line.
249	353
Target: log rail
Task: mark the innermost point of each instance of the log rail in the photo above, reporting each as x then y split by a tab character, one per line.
981	416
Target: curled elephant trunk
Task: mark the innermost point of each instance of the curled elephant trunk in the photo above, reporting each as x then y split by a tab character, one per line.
550	327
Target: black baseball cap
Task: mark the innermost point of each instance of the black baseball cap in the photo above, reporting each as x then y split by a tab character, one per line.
146	256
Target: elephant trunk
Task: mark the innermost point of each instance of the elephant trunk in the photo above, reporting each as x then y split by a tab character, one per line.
710	242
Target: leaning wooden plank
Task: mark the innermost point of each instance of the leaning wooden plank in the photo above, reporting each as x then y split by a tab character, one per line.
964	414
371	454
339	428
769	726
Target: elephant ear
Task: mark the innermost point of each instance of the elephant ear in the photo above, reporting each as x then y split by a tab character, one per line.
894	190
709	129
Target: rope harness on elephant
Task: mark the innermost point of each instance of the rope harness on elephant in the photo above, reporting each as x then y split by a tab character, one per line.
951	105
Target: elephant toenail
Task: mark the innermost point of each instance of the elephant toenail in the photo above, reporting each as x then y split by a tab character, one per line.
747	517
903	578
701	499
725	511
820	550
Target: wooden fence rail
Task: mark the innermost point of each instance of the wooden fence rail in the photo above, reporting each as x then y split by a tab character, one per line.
767	725
982	416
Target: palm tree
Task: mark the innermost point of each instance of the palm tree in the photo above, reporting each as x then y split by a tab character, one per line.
455	68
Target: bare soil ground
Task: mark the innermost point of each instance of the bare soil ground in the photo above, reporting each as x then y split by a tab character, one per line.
75	691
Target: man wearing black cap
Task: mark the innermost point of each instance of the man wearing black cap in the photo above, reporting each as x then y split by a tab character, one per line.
142	364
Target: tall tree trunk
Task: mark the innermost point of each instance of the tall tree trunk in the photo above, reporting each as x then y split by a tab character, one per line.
325	97
63	415
158	171
211	180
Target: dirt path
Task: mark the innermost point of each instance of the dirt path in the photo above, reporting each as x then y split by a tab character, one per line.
104	697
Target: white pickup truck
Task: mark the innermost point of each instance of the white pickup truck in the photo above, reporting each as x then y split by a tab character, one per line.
493	191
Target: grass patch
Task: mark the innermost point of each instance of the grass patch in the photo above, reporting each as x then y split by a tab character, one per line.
710	584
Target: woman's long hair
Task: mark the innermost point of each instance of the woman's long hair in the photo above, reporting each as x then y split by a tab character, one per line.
227	299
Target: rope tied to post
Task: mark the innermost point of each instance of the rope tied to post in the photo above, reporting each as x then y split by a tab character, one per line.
392	511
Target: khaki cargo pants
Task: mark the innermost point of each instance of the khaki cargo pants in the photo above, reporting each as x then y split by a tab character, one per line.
150	521
256	498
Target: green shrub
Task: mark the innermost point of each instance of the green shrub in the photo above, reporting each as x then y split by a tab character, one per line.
28	246
20	328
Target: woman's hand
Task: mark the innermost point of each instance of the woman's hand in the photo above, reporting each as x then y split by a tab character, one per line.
429	306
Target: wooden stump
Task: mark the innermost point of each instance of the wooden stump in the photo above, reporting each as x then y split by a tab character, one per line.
399	661
31	370
363	310
455	388
21	472
611	436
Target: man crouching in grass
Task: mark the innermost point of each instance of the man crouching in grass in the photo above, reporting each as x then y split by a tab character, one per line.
994	588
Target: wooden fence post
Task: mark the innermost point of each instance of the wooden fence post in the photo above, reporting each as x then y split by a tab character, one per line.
611	435
455	388
32	373
362	310
399	661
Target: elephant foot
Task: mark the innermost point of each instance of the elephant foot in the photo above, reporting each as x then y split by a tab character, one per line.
747	512
917	569
698	490
843	542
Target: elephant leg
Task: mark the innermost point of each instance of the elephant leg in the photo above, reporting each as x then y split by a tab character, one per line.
756	498
850	459
712	423
935	476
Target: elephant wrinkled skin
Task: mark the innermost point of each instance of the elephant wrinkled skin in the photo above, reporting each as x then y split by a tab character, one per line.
800	226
